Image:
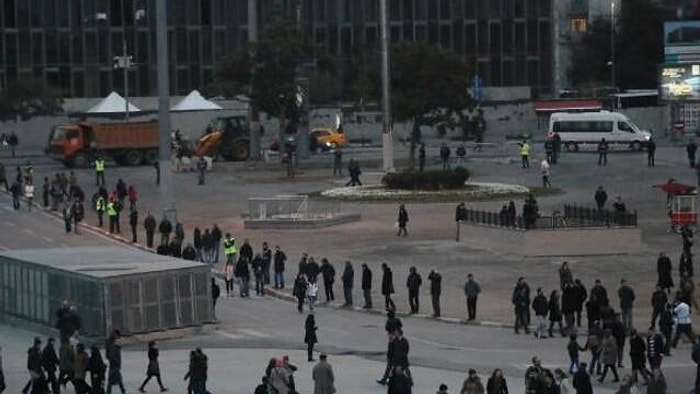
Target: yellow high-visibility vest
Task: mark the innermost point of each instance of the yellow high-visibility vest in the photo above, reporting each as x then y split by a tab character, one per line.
230	246
111	211
100	204
99	165
525	149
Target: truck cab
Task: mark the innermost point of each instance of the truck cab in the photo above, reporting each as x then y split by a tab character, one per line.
68	143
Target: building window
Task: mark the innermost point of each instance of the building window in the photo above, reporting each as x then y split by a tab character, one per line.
578	25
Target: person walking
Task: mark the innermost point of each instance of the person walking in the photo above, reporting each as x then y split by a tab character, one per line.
299	291
229	277
66	362
525	150
311	293
201	170
367	286
435	290
77	213
82	360
655	349
659	299
402	220
421	157
348	283
651	153
540	306
555	313
664	270
602	152
150	225
50	362
322	374
388	287
328	274
546	172
608	356
34	365
638	356
445	153
153	368
690	148
310	338
215	294
657	383
279	259
521	302
338	162
413	283
681	311
472	384
573	349
113	352
582	381
600	197
242	273
216	243
627	297
497	383
97	369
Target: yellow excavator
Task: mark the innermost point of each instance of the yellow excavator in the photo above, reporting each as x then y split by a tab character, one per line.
226	137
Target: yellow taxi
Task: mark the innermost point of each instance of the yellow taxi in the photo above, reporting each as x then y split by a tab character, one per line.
327	137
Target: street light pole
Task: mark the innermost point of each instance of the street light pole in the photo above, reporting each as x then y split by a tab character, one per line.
126	65
612	43
167	199
387	138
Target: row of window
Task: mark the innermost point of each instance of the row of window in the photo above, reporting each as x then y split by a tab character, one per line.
590	127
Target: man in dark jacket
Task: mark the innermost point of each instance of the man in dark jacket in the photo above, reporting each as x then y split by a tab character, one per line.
150	225
582	381
34	364
627	297
655	349
659	299
435	289
638	356
49	361
521	302
413	282
600	294
215	293
279	258
348	282
540	306
328	273
665	272
471	293
266	262
165	228
134	222
388	287
581	296
690	149
568	306
113	352
600	196
367	286
246	251
216	236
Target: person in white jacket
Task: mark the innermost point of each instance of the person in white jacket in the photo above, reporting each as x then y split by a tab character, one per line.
563	381
29	194
311	293
681	313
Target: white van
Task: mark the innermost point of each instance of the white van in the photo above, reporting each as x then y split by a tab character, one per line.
582	128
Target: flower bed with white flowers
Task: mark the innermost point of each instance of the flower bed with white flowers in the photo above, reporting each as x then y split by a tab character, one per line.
472	191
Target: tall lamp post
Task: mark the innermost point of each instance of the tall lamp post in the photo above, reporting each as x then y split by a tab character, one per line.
167	199
387	139
125	62
612	43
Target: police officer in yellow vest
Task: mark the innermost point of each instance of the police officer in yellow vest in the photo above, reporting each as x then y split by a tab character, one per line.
525	150
112	213
230	248
100	171
100	207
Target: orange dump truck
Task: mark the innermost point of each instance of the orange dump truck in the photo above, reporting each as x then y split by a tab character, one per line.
130	144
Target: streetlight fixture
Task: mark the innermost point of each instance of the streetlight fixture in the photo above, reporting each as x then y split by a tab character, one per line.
611	63
387	138
125	62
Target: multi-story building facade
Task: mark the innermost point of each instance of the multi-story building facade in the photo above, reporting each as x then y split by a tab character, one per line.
72	43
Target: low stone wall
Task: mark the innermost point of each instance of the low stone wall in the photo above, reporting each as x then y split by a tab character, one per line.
552	242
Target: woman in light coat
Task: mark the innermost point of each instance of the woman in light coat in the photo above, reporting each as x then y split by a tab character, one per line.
279	378
608	355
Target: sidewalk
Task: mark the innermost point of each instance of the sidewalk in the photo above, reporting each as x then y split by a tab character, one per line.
237	370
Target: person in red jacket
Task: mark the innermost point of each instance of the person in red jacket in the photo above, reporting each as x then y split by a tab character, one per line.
133	196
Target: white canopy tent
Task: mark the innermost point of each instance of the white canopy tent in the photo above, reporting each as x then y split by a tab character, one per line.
195	102
114	103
